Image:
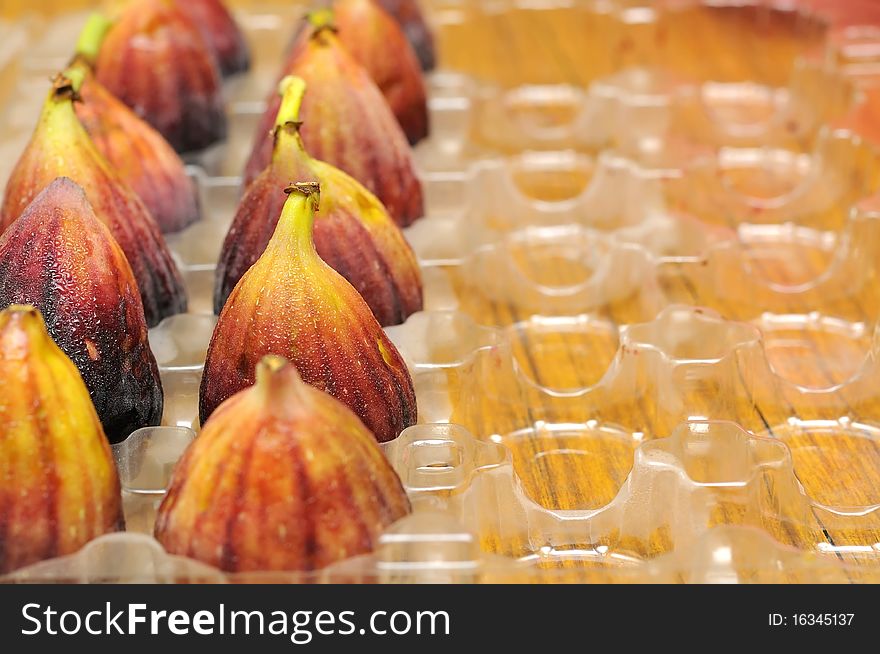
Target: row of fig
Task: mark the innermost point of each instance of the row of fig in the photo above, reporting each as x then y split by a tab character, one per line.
291	478
82	245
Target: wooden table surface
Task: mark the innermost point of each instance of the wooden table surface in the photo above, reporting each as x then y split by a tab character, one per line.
576	46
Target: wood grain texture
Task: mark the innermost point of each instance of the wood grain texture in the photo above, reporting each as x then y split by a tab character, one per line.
584	470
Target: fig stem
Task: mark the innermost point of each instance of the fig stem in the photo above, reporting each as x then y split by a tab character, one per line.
92	36
66	85
322	20
292	90
297	222
278	379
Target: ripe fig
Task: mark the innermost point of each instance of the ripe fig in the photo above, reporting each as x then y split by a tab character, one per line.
222	33
282	477
353	231
59	258
156	61
60	487
348	124
411	19
377	43
137	152
292	304
61	147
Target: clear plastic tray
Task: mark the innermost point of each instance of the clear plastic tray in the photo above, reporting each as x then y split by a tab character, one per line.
649	351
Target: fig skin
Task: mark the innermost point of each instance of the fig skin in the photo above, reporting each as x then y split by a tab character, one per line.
156	61
292	304
59	258
282	477
221	32
140	156
60	147
410	17
353	232
138	153
378	43
60	487
346	123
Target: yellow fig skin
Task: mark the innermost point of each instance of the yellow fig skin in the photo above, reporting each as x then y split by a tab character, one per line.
292	304
353	231
156	61
59	485
141	157
60	147
282	477
346	123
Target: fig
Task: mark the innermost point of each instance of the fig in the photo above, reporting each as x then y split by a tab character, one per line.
412	20
137	152
348	124
353	231
60	487
282	477
292	304
377	43
61	147
59	258
156	61
221	32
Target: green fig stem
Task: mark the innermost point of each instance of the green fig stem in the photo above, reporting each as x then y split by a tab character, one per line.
287	123
292	90
92	36
296	225
322	20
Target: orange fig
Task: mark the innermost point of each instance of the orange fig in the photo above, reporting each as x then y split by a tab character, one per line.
353	231
282	477
292	304
61	147
59	258
60	487
348	124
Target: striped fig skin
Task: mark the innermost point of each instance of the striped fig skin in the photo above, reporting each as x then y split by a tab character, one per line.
156	61
140	156
221	32
282	477
59	258
377	42
353	232
348	124
409	15
61	147
60	487
292	304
